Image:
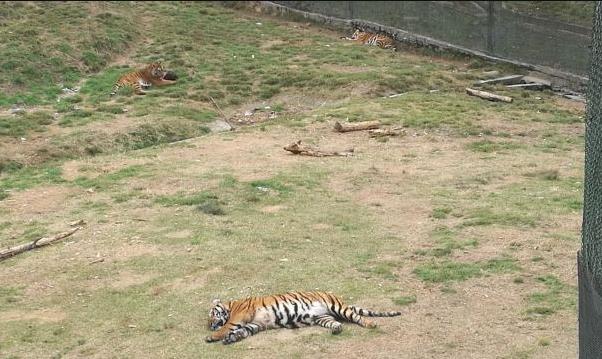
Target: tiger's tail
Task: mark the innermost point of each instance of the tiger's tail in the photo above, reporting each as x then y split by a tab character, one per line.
369	313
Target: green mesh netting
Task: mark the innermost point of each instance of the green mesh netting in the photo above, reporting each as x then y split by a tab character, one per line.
494	27
591	251
590	258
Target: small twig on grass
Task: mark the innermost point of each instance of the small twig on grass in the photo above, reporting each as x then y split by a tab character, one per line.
221	112
297	149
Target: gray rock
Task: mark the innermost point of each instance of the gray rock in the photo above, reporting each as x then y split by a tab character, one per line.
16	109
536	80
219	126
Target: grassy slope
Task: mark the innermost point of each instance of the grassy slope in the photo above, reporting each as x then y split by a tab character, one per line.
213	226
576	12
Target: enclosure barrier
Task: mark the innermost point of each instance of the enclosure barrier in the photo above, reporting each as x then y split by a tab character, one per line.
488	29
590	256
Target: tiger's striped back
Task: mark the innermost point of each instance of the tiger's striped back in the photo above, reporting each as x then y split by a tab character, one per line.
144	78
371	39
236	320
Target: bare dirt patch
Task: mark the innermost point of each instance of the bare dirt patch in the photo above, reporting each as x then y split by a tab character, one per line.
179	234
37	201
190	282
48	315
270	43
273	209
136	248
128	278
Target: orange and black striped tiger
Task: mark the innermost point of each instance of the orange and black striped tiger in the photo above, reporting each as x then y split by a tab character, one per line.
152	74
368	38
236	320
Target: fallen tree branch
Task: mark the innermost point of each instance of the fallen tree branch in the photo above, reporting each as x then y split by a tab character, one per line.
217	107
221	112
358	126
395	131
40	242
488	95
297	149
99	260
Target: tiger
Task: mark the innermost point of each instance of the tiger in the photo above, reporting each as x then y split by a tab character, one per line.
239	319
368	38
152	74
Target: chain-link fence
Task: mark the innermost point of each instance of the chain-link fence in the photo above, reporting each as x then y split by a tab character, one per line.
590	260
554	34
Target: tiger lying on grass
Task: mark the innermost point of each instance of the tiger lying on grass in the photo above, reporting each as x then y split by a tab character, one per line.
236	320
153	74
368	38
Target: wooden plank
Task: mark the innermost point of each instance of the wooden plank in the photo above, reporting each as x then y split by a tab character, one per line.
506	80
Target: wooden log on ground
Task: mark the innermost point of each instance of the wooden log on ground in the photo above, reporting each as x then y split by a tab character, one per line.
357	126
298	149
382	132
488	95
40	242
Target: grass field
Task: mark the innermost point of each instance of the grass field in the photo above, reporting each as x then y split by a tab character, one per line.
469	224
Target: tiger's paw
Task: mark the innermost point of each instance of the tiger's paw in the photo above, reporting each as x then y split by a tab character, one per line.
209	339
235	336
337	329
230	338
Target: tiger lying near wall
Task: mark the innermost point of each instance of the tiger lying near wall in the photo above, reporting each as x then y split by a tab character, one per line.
152	74
236	320
368	38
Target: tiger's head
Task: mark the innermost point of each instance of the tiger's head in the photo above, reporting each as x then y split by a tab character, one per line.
218	315
356	35
156	70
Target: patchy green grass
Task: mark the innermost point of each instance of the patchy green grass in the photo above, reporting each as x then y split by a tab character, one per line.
448	271
23	124
491	146
212	207
405	300
526	203
447	241
492	216
30	177
556	296
189	113
104	182
84	143
380	269
10	295
63	43
441	213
